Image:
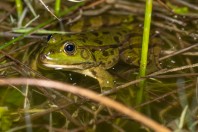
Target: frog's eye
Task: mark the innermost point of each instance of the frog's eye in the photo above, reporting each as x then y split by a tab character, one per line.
69	48
49	37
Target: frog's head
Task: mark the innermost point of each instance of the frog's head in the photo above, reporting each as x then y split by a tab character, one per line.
63	52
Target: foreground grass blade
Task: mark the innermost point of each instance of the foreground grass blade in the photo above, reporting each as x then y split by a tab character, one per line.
144	53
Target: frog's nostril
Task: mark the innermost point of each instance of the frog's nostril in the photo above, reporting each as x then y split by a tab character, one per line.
42	57
51	52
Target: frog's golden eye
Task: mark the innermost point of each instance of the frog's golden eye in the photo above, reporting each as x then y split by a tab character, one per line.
69	48
49	37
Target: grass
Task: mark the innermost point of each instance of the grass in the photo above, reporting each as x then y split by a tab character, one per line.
144	52
19	7
32	30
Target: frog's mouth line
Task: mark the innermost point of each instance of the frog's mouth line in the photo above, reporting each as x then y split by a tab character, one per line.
71	67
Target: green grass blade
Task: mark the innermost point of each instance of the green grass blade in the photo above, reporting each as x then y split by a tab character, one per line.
19	7
144	52
57	7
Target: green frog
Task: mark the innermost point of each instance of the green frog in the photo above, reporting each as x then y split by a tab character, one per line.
93	52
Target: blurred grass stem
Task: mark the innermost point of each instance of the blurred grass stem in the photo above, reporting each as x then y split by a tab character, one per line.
19	7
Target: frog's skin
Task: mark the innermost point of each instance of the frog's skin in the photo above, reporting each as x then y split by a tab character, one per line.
94	23
93	52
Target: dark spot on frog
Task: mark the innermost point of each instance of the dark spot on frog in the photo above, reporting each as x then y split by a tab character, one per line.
112	52
96	34
83	40
105	20
116	38
105	32
102	63
109	62
98	41
83	36
118	33
93	50
94	72
105	53
124	31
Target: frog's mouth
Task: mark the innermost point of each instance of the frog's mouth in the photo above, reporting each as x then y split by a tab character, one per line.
77	66
69	67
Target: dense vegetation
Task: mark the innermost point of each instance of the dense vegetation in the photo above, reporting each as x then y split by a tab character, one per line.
31	99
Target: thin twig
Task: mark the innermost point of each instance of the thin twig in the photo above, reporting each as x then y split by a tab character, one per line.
175	69
192	6
174	75
46	7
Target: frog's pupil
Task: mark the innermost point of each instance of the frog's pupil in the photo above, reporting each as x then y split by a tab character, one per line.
69	48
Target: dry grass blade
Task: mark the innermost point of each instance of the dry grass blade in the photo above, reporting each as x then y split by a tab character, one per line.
89	94
175	69
179	52
46	7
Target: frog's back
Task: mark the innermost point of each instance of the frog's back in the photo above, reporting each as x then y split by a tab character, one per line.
104	45
107	44
96	22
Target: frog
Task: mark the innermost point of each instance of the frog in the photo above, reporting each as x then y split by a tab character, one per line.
93	52
74	54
